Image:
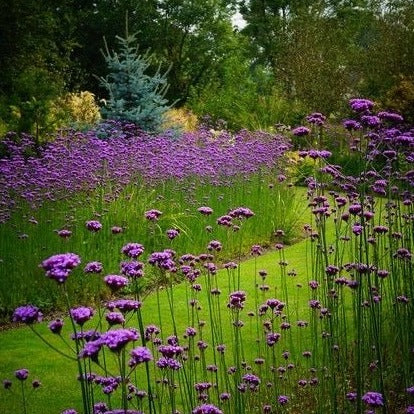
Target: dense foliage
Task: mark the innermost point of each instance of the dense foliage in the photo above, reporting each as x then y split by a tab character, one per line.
313	54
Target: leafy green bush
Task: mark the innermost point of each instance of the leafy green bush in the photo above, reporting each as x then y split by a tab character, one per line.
246	99
400	98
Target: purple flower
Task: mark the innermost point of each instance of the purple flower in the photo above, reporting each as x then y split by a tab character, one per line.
351	396
56	326
203	386
373	399
132	269
93	225
153	215
115	340
236	300
301	131
124	305
163	260
272	338
81	314
58	267
116	230
133	250
251	379
214	245
241	213
371	121
390	116
410	409
225	396
7	384
172	233
100	408
361	105
225	221
93	267
139	355
402	253
191	332
27	314
351	124
21	374
150	331
267	409
283	399
331	270
205	211
256	250
64	233
168	363
115	318
313	284
116	282
316	118
69	411
207	409
36	384
91	349
170	351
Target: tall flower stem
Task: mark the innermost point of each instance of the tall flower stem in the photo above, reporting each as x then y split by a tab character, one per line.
82	379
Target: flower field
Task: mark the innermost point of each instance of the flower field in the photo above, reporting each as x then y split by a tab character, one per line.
178	287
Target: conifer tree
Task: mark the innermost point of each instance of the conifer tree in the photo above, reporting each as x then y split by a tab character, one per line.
133	95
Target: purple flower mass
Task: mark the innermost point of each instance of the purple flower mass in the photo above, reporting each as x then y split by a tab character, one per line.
283	399
236	300
132	269
81	315
21	374
153	215
93	225
205	211
73	162
172	233
116	282
124	305
163	260
139	355
116	339
361	105
133	250
207	409
301	131
27	314
58	267
56	326
373	399
93	267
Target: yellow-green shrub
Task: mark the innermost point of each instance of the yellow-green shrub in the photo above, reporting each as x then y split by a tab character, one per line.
80	109
180	118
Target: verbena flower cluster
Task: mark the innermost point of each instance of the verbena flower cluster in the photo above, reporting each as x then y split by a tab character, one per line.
80	162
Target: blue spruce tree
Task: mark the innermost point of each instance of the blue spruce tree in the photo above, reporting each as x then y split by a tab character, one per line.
134	96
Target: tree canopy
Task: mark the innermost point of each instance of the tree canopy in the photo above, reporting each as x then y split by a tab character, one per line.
316	52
